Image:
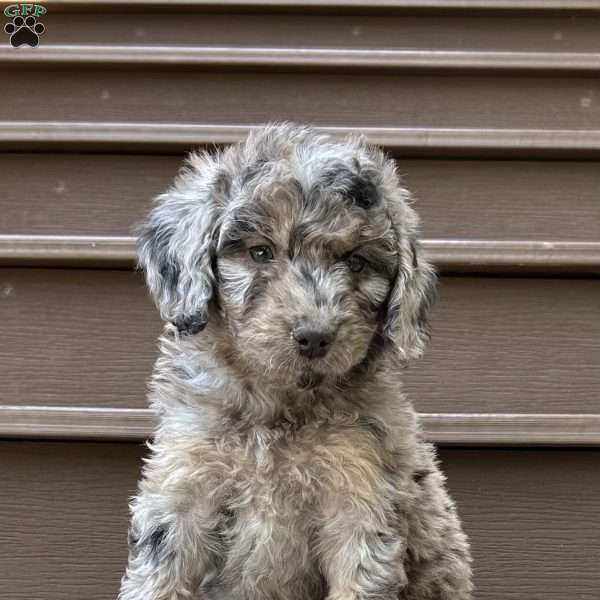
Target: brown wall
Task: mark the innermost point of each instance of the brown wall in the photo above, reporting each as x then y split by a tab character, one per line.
498	147
531	515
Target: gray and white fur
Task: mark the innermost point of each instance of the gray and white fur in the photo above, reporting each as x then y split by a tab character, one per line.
286	464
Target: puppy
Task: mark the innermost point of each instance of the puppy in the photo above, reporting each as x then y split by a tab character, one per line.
286	464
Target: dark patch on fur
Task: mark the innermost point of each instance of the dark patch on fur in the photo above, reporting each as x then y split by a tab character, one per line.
156	540
374	426
226	524
229	516
231	245
420	474
307	276
214	266
191	325
152	544
336	175
409	561
170	272
242	225
311	284
415	260
155	239
132	539
386	538
253	171
357	187
363	192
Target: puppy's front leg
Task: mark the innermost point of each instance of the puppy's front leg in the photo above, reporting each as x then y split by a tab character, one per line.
174	547
361	555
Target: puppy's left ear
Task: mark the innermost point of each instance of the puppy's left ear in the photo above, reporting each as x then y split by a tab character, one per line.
176	244
410	302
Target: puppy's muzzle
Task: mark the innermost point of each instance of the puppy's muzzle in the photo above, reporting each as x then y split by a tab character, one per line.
312	342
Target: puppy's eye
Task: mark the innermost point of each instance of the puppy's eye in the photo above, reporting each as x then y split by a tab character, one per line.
356	263
261	254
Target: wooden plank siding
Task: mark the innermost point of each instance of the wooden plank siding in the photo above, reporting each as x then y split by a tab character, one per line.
531	515
408	142
367	99
491	109
189	25
105	194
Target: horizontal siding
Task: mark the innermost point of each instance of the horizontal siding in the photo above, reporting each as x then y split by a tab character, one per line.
529	514
503	200
549	31
95	194
370	99
307	59
491	108
499	344
64	506
519	345
64	510
80	194
408	142
76	338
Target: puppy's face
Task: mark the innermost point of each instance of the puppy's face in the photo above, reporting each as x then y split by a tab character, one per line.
305	273
301	248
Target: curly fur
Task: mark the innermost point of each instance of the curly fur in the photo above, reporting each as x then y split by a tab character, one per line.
273	475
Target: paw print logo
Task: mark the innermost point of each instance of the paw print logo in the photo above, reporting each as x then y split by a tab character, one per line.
24	31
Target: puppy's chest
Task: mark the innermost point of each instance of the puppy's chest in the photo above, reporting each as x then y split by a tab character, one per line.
278	492
308	468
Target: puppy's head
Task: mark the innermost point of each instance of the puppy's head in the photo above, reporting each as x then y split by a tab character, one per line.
302	248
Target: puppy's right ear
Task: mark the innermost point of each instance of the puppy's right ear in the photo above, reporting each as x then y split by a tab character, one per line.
175	246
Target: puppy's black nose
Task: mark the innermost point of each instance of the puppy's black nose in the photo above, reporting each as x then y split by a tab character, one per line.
311	342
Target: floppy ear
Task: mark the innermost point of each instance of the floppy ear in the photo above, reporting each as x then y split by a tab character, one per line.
409	304
410	301
176	244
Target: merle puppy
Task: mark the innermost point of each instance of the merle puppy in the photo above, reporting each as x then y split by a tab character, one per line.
286	463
